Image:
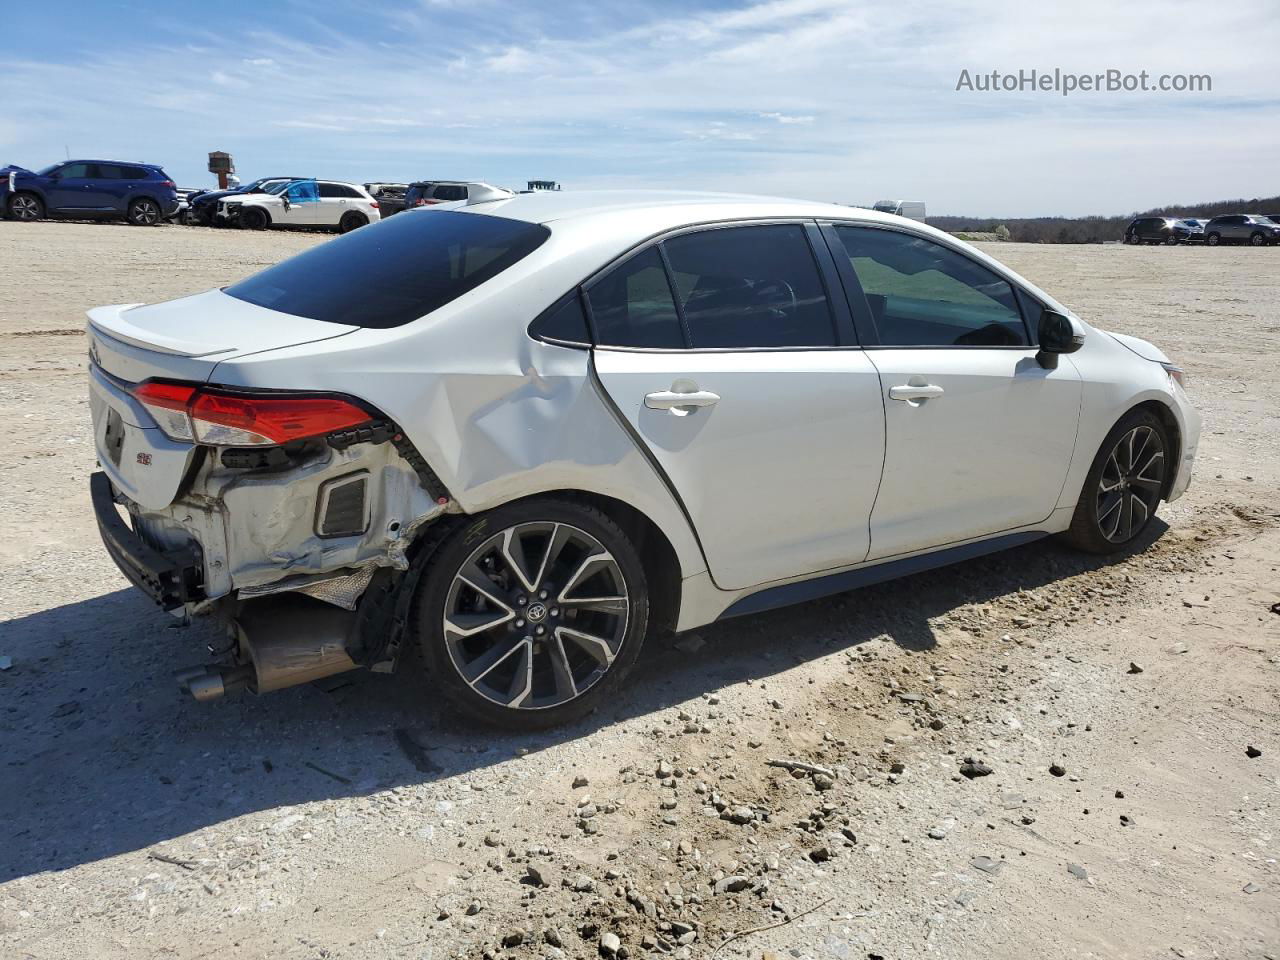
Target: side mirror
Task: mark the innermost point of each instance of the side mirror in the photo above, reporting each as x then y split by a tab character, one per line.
1057	335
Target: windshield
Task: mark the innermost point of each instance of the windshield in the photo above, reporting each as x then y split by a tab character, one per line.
275	186
48	170
395	271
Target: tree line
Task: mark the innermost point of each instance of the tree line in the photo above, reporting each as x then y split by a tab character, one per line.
1096	229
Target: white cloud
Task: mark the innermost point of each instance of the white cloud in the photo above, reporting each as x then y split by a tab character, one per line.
785	118
820	98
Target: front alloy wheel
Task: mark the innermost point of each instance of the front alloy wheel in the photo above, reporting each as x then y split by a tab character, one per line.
25	207
531	614
1130	485
1124	485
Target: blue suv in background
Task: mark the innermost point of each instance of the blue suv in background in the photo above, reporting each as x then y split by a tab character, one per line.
140	193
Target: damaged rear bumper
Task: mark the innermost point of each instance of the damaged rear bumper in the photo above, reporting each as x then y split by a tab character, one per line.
172	578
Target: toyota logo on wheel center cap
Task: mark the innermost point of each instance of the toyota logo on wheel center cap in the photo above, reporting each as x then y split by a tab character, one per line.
537	612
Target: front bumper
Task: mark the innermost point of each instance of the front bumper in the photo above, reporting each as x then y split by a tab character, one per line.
172	578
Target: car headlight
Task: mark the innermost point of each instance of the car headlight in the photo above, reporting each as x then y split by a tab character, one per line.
1175	373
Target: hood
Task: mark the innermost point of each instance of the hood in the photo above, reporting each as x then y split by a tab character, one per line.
1144	349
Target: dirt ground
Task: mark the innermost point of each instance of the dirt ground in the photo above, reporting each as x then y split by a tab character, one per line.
354	820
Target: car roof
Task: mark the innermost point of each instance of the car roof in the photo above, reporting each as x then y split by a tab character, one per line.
673	207
132	163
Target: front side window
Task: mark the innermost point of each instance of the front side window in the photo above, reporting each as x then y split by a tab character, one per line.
631	306
77	171
923	294
751	286
302	191
396	272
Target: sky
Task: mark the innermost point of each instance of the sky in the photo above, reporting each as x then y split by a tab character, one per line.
823	99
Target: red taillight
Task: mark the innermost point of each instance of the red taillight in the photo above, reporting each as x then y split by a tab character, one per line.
374	204
223	418
170	184
420	202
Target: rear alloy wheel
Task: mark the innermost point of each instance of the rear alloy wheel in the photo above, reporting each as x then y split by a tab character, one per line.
1124	485
531	615
144	212
1257	239
26	207
351	221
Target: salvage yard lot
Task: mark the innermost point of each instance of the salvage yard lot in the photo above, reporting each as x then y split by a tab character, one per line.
355	820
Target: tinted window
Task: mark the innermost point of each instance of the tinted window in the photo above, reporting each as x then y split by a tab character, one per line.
78	170
923	294
565	321
750	287
632	306
395	272
449	192
338	190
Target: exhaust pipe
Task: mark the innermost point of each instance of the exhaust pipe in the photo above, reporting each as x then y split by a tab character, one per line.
283	640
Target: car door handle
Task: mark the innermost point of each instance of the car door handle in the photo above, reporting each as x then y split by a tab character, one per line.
680	403
915	392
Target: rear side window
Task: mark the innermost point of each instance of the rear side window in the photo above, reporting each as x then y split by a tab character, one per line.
332	191
755	286
394	272
565	322
923	294
632	305
450	191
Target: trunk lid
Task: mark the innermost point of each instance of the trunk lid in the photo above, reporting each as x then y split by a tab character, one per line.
186	338
180	340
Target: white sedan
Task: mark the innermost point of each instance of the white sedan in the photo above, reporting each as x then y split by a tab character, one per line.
527	432
301	203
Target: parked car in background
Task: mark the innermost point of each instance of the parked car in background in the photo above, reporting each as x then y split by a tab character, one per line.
1157	230
911	209
524	433
427	193
1273	217
139	193
1250	228
390	196
1196	226
301	203
181	214
204	204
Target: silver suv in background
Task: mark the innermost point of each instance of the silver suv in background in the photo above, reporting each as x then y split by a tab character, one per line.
1251	228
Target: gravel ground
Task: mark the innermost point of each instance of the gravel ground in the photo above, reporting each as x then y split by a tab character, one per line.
1032	755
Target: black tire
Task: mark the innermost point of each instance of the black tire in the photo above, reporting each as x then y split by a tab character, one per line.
25	207
589	642
1257	240
254	218
351	220
1120	496
1171	240
1213	239
144	212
